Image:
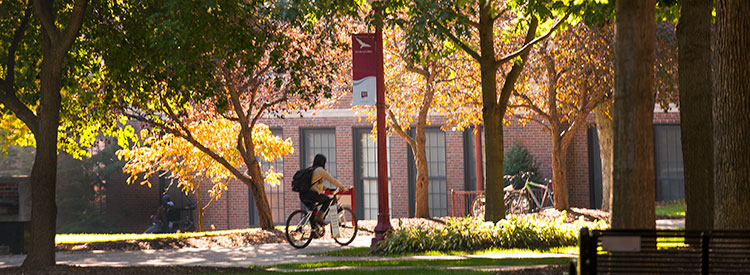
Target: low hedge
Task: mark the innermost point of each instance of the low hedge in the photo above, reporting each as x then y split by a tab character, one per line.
468	233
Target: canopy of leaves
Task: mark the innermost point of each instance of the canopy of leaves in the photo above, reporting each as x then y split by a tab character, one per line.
84	108
190	166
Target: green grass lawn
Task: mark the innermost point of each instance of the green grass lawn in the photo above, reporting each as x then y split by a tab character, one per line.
364	251
674	210
431	263
410	271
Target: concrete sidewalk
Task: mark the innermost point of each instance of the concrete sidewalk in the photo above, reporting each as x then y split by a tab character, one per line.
259	255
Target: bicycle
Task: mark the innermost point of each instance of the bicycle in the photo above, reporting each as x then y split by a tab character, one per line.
517	201
300	228
532	197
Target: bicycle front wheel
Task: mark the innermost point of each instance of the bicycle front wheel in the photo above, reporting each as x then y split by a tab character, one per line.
299	229
347	226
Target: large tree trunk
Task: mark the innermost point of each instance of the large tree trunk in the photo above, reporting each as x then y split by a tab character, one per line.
559	173
731	114
43	173
605	131
492	118
633	194
694	41
256	184
422	204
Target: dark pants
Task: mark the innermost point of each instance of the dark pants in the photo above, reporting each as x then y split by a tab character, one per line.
313	196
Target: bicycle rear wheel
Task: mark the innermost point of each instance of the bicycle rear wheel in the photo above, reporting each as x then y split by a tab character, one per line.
347	226
299	229
477	207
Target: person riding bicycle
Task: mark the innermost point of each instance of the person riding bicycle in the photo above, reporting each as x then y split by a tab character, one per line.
315	194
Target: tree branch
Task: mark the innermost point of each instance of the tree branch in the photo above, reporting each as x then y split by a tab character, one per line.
473	53
8	95
192	141
400	131
46	15
267	105
10	63
74	25
528	44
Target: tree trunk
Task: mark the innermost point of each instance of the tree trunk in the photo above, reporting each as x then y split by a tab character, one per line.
43	173
605	131
422	204
633	185
492	119
256	184
560	173
731	114
201	211
694	41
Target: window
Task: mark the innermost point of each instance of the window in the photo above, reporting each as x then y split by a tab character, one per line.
366	163
668	156
437	188
320	141
275	194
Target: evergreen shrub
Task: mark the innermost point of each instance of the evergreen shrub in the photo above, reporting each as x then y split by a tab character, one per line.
519	160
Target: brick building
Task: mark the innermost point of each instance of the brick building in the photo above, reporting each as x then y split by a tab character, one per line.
345	140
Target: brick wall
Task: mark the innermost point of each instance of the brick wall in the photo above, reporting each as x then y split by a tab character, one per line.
233	209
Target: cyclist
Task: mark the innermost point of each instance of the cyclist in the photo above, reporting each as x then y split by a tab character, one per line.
315	194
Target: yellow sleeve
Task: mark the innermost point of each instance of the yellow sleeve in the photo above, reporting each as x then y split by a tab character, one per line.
330	179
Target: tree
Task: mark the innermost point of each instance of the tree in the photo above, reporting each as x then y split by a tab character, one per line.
264	61
694	39
43	84
569	76
472	27
731	116
191	167
633	169
435	81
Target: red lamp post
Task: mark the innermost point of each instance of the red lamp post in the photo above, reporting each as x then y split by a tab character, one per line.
384	220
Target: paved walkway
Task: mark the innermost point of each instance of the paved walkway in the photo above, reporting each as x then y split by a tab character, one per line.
259	255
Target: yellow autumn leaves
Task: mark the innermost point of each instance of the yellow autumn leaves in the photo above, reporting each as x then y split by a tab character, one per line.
190	166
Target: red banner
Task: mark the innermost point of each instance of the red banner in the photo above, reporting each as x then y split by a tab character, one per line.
364	69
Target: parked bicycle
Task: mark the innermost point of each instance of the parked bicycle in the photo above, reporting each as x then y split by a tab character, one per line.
531	197
301	229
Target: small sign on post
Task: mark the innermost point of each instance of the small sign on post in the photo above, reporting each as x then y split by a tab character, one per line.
333	217
364	69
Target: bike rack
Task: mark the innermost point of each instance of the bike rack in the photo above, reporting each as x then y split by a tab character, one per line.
466	202
349	193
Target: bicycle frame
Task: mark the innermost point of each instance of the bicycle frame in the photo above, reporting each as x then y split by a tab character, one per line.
527	188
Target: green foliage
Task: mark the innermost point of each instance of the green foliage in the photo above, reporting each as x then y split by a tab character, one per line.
519	160
468	233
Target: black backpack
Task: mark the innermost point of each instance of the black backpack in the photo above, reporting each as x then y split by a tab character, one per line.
302	180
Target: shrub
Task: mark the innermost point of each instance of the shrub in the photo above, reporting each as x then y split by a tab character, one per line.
469	233
519	160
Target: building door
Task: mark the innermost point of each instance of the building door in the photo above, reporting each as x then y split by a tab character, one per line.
366	175
275	194
435	150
